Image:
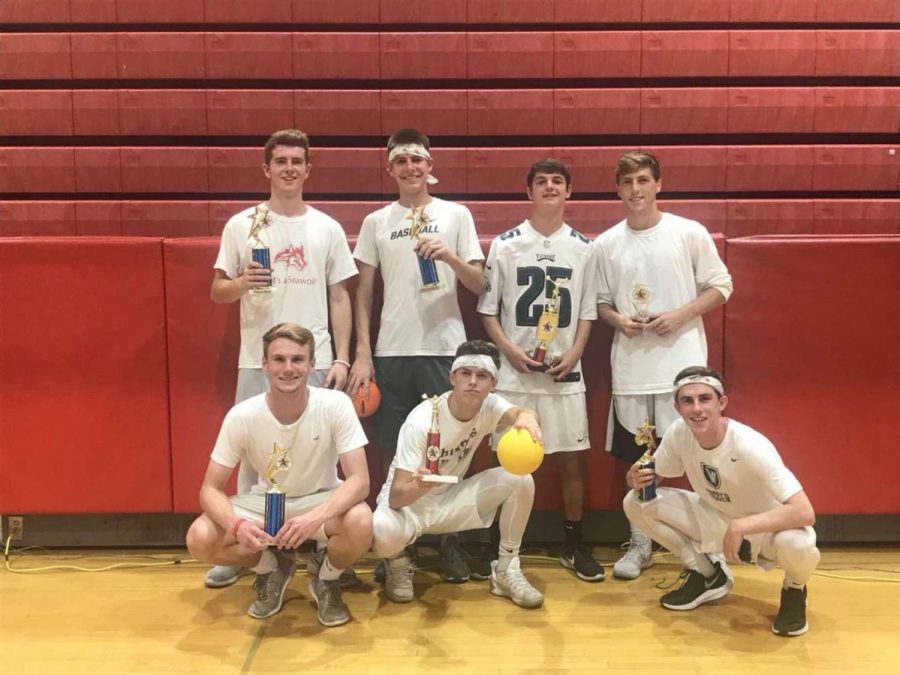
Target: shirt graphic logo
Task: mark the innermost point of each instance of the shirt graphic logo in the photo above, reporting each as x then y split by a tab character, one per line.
546	256
292	256
711	474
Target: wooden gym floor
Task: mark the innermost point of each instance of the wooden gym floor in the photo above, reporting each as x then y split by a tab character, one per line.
161	619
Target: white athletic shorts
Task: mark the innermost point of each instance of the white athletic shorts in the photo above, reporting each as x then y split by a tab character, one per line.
563	419
713	524
253	507
454	510
632	410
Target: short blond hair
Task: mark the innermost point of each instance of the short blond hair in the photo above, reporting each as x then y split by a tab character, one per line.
290	331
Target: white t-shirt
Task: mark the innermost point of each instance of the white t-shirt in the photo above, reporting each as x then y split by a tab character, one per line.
416	322
517	274
327	429
308	253
677	260
743	476
459	440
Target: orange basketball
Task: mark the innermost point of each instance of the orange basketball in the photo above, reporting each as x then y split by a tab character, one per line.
367	405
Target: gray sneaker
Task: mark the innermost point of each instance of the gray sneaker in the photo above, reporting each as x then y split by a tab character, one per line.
512	584
270	587
398	580
331	609
638	557
314	562
221	576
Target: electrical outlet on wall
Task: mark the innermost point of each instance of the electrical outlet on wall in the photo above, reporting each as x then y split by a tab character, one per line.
16	525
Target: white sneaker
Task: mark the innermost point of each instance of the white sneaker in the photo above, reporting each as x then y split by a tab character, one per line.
512	584
638	557
398	580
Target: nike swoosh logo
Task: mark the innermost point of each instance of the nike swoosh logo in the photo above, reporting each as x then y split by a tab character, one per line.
581	440
734	459
315	438
709	582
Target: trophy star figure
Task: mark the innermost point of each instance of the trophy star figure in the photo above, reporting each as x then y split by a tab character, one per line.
277	460
259	220
419	219
641	295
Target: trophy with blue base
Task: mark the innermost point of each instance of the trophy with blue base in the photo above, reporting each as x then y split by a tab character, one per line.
275	498
646	435
260	252
427	266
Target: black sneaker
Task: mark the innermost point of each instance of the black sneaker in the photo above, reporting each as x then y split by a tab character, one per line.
480	565
791	619
453	565
696	589
584	565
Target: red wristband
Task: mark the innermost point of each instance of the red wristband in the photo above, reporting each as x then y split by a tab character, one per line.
235	526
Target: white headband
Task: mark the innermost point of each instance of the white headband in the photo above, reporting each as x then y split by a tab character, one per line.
414	149
481	361
700	379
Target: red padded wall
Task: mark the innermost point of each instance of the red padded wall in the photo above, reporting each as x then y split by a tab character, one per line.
684	111
326	56
87	430
802	369
202	340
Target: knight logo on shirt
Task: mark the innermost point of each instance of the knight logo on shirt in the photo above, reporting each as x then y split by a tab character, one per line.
291	256
711	474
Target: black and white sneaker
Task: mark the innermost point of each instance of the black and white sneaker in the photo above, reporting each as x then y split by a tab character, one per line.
696	589
583	564
791	619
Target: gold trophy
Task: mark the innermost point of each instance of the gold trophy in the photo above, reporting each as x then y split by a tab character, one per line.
547	325
646	435
433	447
641	295
427	266
277	460
260	252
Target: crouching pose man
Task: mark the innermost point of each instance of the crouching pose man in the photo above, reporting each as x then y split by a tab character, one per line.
746	504
410	506
294	436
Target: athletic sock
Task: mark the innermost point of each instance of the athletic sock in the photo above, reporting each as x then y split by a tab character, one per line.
506	556
267	563
572	536
328	572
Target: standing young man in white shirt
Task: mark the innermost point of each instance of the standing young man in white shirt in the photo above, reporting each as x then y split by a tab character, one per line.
746	504
310	264
422	246
539	265
659	274
294	436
